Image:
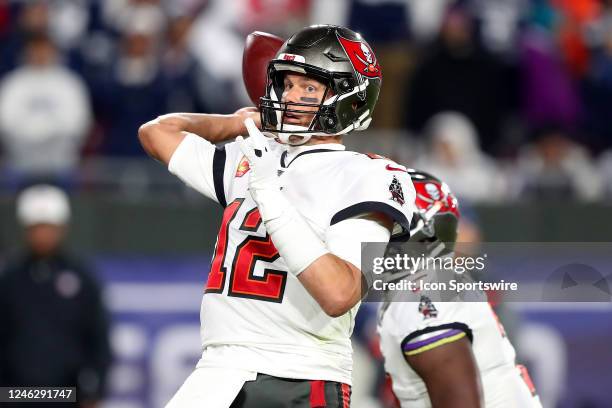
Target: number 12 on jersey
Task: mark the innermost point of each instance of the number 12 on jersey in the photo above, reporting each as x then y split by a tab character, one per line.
242	282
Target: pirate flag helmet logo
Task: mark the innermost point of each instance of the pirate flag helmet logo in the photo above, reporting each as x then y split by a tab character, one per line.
363	59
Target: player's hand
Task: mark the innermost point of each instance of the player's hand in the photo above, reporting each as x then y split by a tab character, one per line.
249	112
263	163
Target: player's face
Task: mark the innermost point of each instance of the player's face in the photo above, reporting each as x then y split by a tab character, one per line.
300	88
44	239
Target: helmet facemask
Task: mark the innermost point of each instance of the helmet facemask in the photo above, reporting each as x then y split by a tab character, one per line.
325	121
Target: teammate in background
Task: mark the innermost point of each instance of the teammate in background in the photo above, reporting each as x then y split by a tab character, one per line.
285	280
447	354
54	327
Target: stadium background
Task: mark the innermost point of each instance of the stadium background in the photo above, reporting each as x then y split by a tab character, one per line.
526	149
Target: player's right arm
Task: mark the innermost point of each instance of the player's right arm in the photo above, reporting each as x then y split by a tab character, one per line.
161	136
450	374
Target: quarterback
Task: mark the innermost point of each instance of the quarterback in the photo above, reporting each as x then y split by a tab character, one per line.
285	279
447	354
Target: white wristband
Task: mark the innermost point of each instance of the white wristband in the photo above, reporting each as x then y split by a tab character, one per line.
296	242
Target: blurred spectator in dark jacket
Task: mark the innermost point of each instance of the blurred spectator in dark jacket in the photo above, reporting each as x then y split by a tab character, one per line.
44	114
180	69
556	168
53	325
598	95
133	92
31	19
64	21
459	75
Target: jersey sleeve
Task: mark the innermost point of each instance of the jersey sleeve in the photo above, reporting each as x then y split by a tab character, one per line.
345	238
379	186
424	325
205	167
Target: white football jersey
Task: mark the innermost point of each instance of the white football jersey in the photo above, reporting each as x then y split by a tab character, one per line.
255	315
409	328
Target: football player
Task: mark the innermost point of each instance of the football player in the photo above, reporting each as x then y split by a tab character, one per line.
285	280
447	354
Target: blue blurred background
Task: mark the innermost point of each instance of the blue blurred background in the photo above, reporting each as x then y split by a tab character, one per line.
508	101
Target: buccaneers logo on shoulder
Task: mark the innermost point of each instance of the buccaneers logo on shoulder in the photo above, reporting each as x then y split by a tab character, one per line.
397	194
427	308
362	57
243	167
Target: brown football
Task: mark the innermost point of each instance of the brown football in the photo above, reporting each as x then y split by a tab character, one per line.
259	49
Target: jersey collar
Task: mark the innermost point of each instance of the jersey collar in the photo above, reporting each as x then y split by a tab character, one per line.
293	152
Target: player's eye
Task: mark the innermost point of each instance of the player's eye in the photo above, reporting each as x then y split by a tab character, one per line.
311	88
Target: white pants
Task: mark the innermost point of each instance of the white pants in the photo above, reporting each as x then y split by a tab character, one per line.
211	387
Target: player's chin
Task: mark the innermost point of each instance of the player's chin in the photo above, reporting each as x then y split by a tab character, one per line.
295	139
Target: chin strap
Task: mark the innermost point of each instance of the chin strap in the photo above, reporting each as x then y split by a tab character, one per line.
285	136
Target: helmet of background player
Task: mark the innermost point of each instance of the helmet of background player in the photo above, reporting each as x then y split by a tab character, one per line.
339	58
437	215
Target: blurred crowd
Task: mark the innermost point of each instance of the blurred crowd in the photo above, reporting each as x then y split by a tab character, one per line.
503	99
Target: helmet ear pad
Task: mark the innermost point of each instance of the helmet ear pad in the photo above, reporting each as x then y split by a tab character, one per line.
352	105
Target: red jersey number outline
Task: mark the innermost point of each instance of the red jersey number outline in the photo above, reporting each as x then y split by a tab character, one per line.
243	283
